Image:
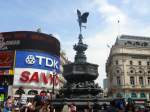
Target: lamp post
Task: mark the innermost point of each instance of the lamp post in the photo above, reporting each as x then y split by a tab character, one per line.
54	74
53	84
53	79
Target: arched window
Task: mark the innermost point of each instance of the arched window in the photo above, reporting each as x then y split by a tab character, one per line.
32	92
116	62
131	62
141	81
118	80
148	63
148	80
19	92
133	95
145	44
132	81
139	62
129	42
137	43
142	95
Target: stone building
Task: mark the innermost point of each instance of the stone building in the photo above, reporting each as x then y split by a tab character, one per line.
128	67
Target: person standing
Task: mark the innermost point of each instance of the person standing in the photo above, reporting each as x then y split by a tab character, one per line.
65	108
72	108
37	103
8	104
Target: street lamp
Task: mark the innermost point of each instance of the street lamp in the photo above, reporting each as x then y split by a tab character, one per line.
54	74
53	83
53	79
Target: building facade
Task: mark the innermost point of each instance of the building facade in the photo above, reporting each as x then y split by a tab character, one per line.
128	68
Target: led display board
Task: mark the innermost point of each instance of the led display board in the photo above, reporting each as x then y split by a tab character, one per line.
39	60
6	59
35	78
21	40
6	72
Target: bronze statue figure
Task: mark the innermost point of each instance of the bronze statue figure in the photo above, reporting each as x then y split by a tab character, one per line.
82	18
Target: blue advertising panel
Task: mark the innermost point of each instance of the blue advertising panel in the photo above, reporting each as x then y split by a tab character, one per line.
28	59
3	89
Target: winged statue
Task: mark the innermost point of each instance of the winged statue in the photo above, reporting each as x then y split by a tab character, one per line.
82	18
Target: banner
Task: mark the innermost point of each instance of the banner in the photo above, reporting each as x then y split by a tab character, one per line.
39	60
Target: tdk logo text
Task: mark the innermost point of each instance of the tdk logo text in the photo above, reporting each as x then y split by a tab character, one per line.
42	61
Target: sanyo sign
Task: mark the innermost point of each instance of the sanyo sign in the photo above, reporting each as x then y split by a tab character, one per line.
37	60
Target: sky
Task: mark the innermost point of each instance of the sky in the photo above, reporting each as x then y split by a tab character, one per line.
107	19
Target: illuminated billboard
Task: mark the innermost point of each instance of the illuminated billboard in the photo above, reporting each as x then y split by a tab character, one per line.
7	72
35	78
6	59
37	60
21	40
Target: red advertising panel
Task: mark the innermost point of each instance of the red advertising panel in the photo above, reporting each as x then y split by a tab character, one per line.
6	59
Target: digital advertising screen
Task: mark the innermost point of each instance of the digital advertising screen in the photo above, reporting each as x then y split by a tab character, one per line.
21	40
35	78
6	72
6	59
37	60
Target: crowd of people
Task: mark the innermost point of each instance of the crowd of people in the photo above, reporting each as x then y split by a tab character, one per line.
41	103
129	106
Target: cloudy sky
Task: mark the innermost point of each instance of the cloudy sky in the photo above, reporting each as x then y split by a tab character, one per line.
58	17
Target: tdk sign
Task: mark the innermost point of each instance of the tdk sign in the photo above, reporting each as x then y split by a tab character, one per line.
44	61
48	62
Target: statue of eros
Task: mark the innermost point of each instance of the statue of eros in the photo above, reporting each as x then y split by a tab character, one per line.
82	19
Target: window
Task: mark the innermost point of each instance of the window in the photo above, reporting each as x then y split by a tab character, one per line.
137	43
148	80
148	63
132	81
141	81
148	71
118	71
129	42
119	95
131	71
142	95
118	81
131	63
140	71
133	95
20	92
145	44
32	92
116	62
139	62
